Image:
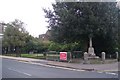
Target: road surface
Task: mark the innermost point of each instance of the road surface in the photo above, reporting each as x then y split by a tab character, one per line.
17	69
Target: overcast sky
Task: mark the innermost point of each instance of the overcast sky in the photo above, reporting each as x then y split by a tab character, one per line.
28	11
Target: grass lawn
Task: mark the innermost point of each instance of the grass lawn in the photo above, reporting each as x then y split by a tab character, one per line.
14	55
36	56
57	56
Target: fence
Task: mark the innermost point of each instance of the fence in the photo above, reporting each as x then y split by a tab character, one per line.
111	56
51	55
55	56
77	54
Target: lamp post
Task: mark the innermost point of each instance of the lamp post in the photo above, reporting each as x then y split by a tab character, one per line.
1	36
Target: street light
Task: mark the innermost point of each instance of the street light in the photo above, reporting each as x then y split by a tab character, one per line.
1	36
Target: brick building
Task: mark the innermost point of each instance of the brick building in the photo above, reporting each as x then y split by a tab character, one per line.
45	37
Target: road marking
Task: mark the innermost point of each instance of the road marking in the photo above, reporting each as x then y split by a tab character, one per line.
108	72
100	72
67	68
54	66
111	73
20	72
80	70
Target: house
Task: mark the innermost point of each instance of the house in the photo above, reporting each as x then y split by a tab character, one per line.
45	37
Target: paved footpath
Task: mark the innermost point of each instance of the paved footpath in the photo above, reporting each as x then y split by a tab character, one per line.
113	67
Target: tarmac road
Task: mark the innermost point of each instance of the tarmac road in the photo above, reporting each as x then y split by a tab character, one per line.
17	69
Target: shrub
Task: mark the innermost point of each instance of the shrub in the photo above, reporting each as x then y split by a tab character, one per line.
54	46
64	47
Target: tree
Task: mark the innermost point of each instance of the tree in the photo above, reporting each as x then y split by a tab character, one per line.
14	36
34	45
118	34
17	40
74	22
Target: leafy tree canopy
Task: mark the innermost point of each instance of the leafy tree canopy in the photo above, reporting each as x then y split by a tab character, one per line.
75	22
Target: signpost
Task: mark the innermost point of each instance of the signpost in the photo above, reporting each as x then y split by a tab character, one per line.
63	56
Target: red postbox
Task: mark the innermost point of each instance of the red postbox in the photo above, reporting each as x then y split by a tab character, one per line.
63	56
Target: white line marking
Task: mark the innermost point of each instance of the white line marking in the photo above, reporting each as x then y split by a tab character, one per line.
54	66
20	72
80	70
65	68
111	73
58	67
100	72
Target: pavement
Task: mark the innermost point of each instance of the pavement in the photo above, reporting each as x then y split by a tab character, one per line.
112	67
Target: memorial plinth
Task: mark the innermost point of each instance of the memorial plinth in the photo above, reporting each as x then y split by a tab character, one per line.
91	52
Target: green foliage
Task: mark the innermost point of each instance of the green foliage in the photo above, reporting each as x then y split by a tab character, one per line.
14	36
36	56
16	39
64	47
71	47
54	46
73	22
34	45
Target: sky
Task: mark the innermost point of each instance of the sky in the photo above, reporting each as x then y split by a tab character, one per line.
28	11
